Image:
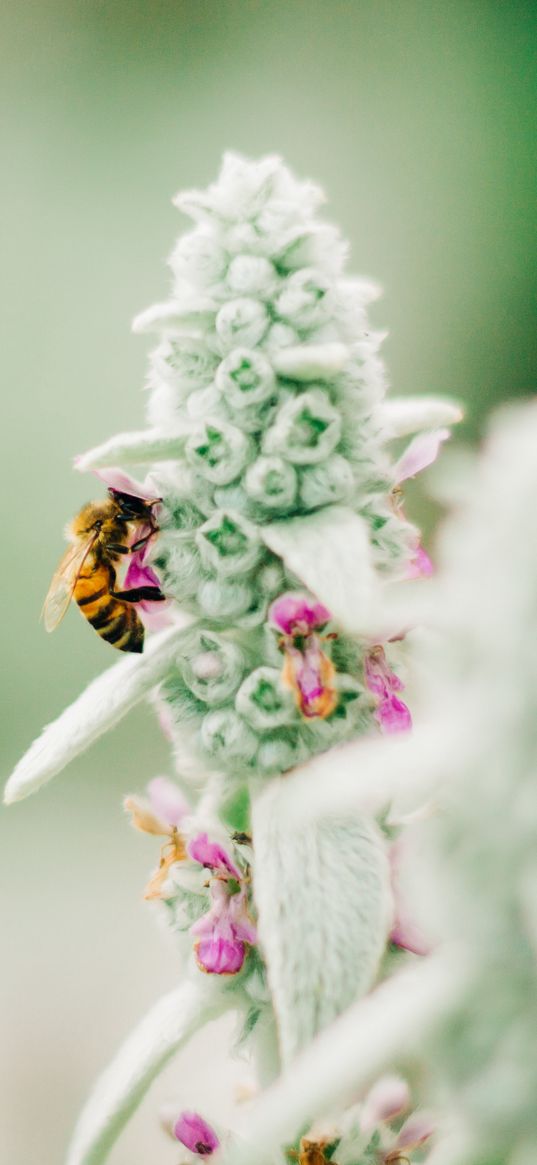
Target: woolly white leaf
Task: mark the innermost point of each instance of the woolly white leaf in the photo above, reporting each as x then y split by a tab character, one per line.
101	705
123	1085
356	1048
330	552
324	905
368	776
410	414
311	361
175	318
137	448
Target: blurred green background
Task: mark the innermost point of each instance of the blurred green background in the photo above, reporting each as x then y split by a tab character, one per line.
417	116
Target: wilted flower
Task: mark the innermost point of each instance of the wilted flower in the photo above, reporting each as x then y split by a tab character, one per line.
307	669
160	814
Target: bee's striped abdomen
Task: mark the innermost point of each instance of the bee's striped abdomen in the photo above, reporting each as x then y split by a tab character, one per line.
112	619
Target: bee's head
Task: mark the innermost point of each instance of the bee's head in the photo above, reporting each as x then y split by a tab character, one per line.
90	520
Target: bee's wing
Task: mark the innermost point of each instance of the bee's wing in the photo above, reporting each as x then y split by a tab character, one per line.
64	582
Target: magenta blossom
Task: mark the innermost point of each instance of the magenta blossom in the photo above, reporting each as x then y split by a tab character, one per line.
195	1134
211	855
296	614
391	713
223	934
307	670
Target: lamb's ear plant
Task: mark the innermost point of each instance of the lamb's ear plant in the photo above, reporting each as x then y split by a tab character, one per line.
279	469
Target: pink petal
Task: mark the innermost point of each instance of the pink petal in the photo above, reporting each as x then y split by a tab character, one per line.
387	1098
153	613
295	613
195	1134
220	956
405	933
415	1131
167	800
117	479
421	452
139	575
408	937
308	676
211	854
421	565
393	715
223	932
241	923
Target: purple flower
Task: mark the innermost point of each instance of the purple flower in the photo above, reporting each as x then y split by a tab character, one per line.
296	614
224	932
307	670
211	855
392	714
195	1134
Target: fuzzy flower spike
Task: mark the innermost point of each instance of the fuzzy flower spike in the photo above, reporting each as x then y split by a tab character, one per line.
268	442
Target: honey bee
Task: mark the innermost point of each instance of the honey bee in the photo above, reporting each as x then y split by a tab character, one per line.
310	1152
100	535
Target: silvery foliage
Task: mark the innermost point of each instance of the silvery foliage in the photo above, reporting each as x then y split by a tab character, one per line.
468	1012
269	440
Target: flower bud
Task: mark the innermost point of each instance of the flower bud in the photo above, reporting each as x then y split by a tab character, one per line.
229	544
328	482
213	668
306	429
219	451
222	599
303	300
242	322
198	258
251	275
272	483
264	701
245	377
224	734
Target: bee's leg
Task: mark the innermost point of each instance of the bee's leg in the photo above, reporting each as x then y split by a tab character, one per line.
137	594
117	549
142	542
